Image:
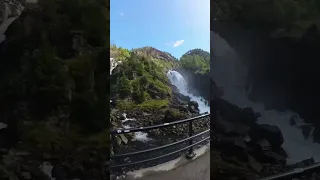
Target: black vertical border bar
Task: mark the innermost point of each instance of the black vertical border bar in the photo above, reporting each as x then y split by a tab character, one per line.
212	85
107	4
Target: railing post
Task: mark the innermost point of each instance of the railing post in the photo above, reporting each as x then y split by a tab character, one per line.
190	153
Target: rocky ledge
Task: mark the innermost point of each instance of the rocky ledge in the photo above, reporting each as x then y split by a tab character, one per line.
243	149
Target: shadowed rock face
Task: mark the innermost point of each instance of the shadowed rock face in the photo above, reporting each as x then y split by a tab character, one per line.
9	11
283	72
199	84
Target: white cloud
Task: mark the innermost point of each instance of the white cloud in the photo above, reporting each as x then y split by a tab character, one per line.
178	43
121	13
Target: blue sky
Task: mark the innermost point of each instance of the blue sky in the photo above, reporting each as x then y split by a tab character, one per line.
174	26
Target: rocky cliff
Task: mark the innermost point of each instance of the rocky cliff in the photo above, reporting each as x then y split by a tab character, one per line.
279	42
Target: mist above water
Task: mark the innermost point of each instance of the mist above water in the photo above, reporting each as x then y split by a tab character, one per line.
177	79
230	74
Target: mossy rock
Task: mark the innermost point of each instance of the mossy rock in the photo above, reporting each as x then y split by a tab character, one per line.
173	115
146	105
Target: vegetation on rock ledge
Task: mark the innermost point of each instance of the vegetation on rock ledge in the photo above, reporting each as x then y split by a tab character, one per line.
197	61
140	81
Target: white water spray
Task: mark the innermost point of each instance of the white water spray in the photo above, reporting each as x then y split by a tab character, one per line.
230	74
177	79
138	136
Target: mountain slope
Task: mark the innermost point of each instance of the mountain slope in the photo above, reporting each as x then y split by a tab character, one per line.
140	81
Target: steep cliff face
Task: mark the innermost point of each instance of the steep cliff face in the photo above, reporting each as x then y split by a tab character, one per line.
194	65
281	50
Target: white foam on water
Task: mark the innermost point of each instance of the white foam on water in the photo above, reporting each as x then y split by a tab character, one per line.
138	136
127	119
141	136
230	74
3	125
177	79
46	167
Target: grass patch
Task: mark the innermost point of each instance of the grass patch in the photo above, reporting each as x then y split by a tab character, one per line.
154	104
146	105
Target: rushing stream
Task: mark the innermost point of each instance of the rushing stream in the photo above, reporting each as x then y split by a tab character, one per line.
230	74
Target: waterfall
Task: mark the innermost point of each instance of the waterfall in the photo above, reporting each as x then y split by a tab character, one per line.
230	74
177	79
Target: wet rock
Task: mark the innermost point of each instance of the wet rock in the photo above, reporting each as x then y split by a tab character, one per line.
58	172
269	132
274	158
228	128
304	163
194	105
254	164
35	172
25	175
122	117
233	146
124	138
11	163
226	110
249	116
224	127
264	145
113	103
183	97
173	115
182	108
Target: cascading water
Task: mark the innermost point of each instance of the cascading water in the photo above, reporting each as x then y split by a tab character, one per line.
230	74
139	136
177	79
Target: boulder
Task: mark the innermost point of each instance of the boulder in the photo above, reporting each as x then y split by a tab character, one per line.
183	97
223	127
248	116
173	115
228	111
230	128
174	89
113	103
182	108
193	107
254	164
58	172
269	132
232	146
194	104
303	163
274	158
